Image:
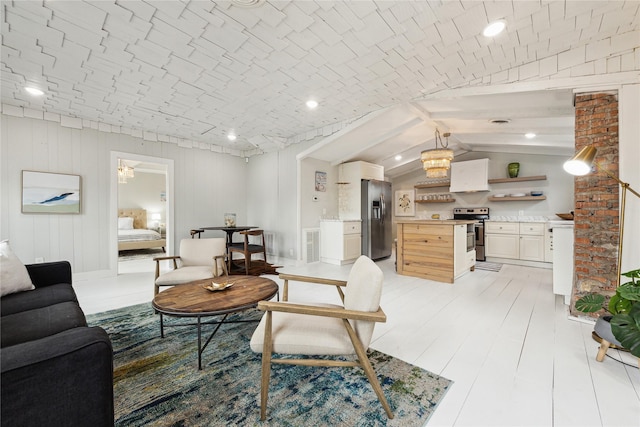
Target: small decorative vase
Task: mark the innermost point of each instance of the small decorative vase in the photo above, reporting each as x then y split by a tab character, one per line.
230	220
514	169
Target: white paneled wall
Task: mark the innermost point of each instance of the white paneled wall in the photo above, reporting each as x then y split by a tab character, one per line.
207	184
272	196
314	204
143	192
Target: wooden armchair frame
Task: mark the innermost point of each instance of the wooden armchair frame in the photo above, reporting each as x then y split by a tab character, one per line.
175	258
362	360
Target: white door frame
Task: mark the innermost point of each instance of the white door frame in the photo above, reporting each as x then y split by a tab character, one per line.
113	203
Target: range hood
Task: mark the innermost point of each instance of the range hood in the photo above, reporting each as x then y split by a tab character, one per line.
469	176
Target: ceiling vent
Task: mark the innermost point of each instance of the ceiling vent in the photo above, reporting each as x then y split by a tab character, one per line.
499	121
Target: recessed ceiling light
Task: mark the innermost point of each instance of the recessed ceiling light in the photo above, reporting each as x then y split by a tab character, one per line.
493	29
398	157
34	91
247	4
530	135
311	104
231	137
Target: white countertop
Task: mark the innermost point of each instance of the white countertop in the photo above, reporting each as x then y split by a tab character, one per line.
551	221
561	223
520	218
436	221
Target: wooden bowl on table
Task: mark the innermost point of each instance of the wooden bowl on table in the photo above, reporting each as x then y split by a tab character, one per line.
568	216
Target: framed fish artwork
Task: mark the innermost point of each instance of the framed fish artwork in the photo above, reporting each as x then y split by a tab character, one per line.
50	193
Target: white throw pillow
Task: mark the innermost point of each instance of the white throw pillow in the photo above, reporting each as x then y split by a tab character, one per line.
125	223
13	274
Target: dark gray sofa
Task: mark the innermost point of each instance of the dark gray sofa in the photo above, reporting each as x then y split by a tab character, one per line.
56	371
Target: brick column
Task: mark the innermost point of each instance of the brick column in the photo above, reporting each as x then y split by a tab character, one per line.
596	201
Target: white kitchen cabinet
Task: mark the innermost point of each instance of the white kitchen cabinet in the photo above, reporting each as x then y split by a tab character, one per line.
532	248
502	239
532	241
352	246
515	240
502	245
370	170
498	227
463	260
563	261
340	241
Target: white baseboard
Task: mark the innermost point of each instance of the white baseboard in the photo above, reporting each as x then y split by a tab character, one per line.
537	264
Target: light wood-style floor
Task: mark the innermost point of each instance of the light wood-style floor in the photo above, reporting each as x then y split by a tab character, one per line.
503	338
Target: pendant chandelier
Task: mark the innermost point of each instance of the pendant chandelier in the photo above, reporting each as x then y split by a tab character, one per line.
124	172
437	162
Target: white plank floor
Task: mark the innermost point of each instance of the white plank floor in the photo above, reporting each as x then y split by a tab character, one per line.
503	338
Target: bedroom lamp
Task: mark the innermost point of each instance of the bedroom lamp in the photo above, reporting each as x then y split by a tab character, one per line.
156	217
583	163
437	162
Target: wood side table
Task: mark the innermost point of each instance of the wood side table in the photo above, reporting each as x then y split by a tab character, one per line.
192	300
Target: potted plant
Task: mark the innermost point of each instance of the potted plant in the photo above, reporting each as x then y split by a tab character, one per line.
624	307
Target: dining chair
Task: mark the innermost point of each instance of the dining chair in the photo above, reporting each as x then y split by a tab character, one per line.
323	329
248	248
196	231
199	259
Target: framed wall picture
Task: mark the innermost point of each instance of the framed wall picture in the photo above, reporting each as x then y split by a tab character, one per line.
405	203
50	193
321	181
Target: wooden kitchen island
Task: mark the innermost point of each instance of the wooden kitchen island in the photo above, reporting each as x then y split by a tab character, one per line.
435	249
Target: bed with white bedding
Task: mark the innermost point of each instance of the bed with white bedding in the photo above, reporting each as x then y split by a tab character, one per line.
132	231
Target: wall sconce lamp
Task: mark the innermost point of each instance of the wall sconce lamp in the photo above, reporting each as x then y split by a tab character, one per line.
437	162
582	164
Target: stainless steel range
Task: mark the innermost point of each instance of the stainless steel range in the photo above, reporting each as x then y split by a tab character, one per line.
479	215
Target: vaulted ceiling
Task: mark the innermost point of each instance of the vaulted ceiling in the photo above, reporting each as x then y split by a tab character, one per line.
385	73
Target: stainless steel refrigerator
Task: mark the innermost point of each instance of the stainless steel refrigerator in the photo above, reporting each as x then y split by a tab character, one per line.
375	208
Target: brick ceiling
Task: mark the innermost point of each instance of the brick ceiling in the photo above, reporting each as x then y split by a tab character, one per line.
196	70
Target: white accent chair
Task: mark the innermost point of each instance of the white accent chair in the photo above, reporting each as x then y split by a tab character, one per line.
323	329
199	259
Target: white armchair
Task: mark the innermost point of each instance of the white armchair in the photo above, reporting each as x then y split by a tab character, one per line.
323	329
199	259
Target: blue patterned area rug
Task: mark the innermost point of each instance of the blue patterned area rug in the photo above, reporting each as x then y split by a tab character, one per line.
156	381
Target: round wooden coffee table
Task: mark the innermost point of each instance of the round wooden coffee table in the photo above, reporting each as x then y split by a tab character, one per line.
194	301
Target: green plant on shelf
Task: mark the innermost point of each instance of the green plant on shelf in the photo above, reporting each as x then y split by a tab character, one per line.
625	308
